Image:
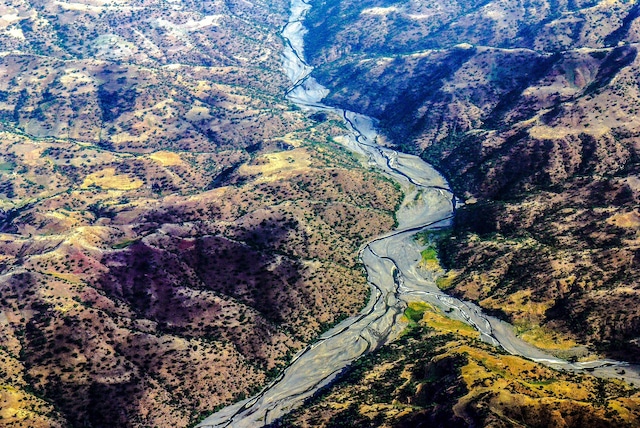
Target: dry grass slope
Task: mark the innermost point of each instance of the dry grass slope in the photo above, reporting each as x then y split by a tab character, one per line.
438	374
533	118
171	229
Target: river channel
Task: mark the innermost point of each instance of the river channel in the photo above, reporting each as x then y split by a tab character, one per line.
391	262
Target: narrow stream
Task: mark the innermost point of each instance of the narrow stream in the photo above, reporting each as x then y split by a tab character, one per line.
391	262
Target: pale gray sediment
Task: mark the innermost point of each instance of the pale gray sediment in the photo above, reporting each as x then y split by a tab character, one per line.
391	262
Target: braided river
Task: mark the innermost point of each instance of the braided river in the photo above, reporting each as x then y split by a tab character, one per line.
391	262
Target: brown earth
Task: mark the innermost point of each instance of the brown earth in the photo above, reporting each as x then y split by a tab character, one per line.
530	109
439	375
135	306
171	230
128	292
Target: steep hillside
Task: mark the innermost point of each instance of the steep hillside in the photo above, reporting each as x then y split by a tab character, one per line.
530	109
439	375
171	229
151	310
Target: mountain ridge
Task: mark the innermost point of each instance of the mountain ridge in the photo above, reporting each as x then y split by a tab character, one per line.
544	142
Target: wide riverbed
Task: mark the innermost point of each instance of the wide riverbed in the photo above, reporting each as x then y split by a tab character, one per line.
391	262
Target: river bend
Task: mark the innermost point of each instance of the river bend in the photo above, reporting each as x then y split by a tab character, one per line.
391	262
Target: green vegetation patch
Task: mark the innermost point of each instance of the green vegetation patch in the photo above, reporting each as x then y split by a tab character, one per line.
432	237
7	166
124	244
429	254
446	281
415	312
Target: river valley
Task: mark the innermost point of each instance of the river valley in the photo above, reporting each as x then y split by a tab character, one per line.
391	263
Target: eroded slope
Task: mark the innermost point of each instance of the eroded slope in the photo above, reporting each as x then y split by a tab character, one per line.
171	230
438	374
530	109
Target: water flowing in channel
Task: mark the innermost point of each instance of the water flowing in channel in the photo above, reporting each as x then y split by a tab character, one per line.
391	262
